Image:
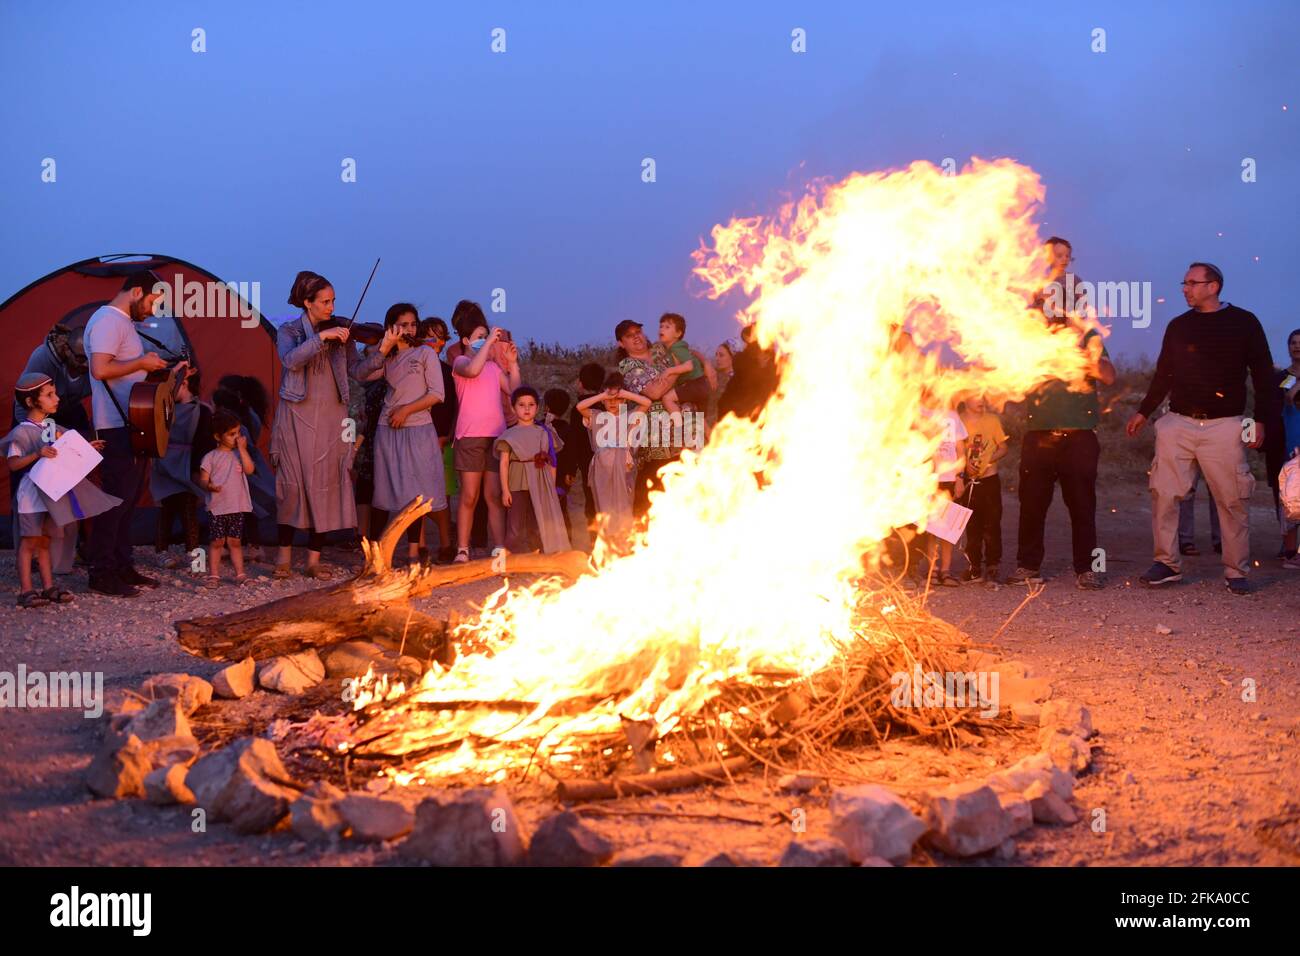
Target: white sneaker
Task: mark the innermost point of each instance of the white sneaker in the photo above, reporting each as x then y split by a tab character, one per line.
462	556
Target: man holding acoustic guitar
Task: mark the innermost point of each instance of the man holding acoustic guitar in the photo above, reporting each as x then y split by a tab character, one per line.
118	362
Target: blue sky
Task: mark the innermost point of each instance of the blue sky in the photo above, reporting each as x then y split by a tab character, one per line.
522	170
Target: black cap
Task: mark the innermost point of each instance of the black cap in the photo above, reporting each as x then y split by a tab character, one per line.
623	327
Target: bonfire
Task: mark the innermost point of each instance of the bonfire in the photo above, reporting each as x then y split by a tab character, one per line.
759	615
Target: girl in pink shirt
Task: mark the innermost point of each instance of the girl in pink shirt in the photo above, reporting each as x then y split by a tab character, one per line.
487	368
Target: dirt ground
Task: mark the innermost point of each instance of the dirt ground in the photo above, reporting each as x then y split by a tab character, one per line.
1186	772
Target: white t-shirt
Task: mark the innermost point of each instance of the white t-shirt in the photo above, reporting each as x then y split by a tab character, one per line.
112	332
946	458
30	501
225	470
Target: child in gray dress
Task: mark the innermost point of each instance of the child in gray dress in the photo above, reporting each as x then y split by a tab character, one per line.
407	455
223	474
40	517
527	453
610	474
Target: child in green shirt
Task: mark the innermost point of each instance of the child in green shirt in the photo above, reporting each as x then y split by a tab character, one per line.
696	385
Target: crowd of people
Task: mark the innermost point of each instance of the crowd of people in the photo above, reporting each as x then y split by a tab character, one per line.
440	411
427	409
1208	356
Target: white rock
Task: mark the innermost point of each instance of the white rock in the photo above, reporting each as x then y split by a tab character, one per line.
1069	714
169	751
873	821
236	680
1048	807
375	819
966	819
563	839
292	673
162	718
119	769
1068	751
1028	770
244	783
315	815
166	785
1019	810
466	828
193	692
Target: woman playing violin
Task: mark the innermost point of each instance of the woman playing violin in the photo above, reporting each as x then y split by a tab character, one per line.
311	443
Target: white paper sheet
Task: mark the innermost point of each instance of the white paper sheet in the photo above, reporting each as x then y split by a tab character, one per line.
949	522
59	475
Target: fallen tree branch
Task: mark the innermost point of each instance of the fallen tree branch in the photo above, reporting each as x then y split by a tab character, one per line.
665	781
374	604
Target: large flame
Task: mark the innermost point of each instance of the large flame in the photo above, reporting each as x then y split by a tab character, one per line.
856	286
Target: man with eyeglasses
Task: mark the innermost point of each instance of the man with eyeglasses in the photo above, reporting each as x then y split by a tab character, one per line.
1205	358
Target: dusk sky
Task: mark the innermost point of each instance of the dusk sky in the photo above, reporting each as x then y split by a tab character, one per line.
522	170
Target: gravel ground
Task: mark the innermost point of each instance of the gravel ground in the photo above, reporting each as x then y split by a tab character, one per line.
1186	772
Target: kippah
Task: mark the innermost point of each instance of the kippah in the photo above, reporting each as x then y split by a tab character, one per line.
32	382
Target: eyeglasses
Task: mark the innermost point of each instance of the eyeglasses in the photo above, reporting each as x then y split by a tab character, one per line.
1187	282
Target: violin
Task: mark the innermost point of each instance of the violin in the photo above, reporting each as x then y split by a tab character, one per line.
367	333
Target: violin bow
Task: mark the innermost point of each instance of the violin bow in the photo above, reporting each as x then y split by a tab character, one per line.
363	296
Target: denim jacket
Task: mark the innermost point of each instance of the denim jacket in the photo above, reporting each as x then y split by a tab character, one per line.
298	343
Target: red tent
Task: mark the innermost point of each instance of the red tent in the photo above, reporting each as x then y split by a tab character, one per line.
211	326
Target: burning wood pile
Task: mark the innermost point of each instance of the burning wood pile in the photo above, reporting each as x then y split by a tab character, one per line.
752	616
756	619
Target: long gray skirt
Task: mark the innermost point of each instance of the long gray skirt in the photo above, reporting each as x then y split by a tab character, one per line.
611	483
313	486
408	462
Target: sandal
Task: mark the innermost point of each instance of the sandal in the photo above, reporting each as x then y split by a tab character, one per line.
316	572
281	572
212	581
56	595
32	599
241	578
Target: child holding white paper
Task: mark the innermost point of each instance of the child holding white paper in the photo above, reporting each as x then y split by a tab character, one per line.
40	517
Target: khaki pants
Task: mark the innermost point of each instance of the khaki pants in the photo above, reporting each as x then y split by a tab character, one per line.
1214	445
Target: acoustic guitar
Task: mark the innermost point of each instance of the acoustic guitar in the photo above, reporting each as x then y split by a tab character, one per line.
151	408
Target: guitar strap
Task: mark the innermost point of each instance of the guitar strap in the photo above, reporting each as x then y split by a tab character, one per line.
153	341
126	421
